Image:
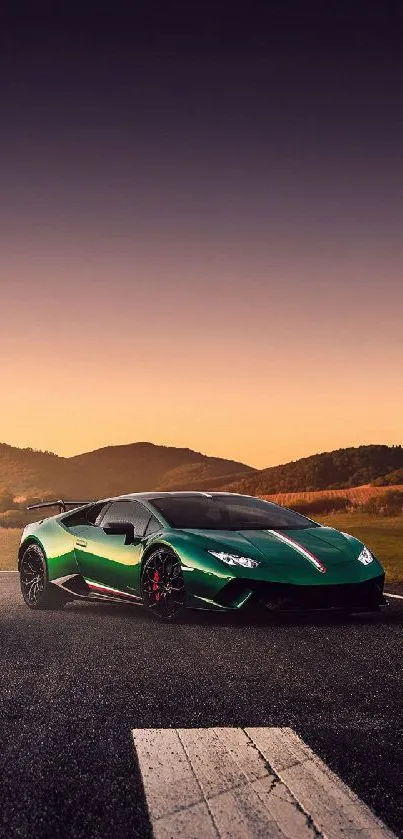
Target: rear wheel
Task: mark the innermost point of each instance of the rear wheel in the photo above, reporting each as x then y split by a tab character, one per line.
37	591
163	585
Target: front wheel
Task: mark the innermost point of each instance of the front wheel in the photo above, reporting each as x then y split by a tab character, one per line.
163	584
37	591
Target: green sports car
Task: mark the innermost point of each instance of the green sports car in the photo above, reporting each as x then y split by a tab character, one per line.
170	550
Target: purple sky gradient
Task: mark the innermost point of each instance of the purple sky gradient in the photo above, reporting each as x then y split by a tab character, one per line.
201	241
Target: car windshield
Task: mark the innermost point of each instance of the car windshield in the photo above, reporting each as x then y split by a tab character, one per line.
228	512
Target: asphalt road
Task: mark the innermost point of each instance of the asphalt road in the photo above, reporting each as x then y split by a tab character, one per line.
74	683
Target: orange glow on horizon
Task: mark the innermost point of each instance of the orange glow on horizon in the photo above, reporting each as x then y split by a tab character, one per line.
234	355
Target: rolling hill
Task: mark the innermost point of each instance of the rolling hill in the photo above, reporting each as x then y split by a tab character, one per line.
342	468
144	466
113	470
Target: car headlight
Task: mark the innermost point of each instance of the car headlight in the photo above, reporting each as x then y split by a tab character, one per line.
233	559
365	556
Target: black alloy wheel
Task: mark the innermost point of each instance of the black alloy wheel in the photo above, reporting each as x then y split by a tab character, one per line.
36	590
163	584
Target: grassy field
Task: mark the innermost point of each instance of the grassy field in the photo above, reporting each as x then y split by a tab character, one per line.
383	535
357	495
9	541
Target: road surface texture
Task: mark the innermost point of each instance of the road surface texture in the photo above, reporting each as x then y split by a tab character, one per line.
76	684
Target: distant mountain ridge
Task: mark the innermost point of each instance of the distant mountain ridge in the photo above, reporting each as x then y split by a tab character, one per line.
113	470
338	469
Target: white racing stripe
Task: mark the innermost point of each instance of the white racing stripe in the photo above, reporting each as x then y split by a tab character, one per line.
252	783
299	549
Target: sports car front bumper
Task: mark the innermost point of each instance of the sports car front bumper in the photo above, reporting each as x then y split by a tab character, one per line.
366	595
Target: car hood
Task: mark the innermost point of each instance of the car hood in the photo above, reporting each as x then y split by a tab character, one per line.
314	555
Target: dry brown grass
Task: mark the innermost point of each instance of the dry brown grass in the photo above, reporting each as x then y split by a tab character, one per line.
382	535
9	542
357	495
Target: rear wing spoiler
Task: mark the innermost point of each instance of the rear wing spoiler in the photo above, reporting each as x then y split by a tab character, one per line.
62	505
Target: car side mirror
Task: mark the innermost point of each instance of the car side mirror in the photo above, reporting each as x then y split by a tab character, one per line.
120	528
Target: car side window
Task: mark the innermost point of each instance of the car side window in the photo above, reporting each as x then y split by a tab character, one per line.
131	511
85	515
153	526
97	511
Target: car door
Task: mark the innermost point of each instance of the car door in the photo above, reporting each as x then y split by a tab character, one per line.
105	560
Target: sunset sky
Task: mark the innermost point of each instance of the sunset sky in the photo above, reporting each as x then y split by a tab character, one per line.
201	232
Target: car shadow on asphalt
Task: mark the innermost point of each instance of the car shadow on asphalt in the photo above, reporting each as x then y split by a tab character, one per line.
391	615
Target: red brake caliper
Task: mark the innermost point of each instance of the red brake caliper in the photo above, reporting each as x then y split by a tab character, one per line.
156	578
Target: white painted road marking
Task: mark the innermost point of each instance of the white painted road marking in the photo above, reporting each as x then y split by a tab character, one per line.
252	783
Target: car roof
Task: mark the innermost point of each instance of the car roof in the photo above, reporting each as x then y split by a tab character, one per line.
153	496
149	496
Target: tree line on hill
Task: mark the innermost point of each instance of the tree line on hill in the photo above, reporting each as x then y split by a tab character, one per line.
392	479
340	469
